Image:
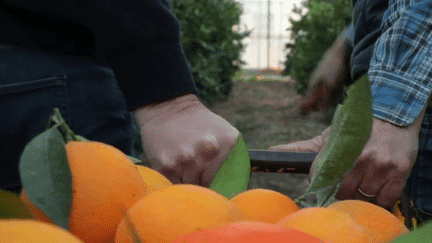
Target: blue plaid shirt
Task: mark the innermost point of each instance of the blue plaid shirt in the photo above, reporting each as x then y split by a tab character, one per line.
401	66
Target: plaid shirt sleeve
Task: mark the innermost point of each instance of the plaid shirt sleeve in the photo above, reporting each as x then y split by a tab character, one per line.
401	66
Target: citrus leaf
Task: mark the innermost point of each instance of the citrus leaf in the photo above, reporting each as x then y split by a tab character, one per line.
11	206
46	177
421	235
233	175
81	138
349	133
134	160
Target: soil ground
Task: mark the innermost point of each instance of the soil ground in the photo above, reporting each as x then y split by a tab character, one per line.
266	113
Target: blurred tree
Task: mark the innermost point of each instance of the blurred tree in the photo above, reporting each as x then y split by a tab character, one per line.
316	24
211	43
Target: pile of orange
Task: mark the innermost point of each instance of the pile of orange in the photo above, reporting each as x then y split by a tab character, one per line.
248	232
364	221
114	200
20	230
105	184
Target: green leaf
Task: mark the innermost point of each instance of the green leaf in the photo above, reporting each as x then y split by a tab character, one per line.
46	177
11	206
234	173
421	235
349	133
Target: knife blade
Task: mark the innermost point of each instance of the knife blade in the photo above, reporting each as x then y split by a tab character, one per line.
280	162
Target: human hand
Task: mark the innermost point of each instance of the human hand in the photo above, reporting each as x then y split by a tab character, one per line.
183	140
327	80
384	165
312	145
381	169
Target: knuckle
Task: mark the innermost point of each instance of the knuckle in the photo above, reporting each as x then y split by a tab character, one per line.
208	150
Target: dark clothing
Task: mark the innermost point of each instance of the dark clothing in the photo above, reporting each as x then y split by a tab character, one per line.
96	60
419	184
138	39
367	18
394	54
34	82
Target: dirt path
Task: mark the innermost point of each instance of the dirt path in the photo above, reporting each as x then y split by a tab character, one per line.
266	113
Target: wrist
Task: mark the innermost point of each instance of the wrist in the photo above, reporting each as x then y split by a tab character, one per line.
340	46
384	125
165	109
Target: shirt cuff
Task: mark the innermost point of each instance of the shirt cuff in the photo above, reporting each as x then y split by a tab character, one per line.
152	74
396	98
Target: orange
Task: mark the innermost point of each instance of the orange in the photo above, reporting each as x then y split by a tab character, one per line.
175	211
328	224
16	230
153	179
36	213
105	184
384	225
264	205
248	232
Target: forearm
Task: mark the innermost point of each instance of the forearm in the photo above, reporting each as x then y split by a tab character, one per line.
400	73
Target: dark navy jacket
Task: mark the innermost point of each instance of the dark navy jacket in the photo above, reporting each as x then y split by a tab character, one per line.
139	39
367	18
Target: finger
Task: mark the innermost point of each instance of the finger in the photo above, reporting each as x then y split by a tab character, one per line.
351	181
299	146
206	176
370	187
173	165
365	193
204	158
190	174
164	164
208	147
211	167
311	102
325	101
172	174
390	193
316	99
307	104
187	161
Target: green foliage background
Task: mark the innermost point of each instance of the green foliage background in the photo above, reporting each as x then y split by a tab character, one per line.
315	25
211	44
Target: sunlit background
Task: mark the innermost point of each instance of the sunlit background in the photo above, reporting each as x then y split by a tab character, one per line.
264	20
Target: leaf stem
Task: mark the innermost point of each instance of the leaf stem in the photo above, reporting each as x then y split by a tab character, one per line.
301	201
57	120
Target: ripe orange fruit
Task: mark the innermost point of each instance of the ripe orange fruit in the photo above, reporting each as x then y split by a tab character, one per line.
105	184
264	205
248	232
328	224
36	213
16	230
175	211
153	179
384	226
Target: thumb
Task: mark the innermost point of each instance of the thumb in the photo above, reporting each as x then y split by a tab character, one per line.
308	103
299	146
